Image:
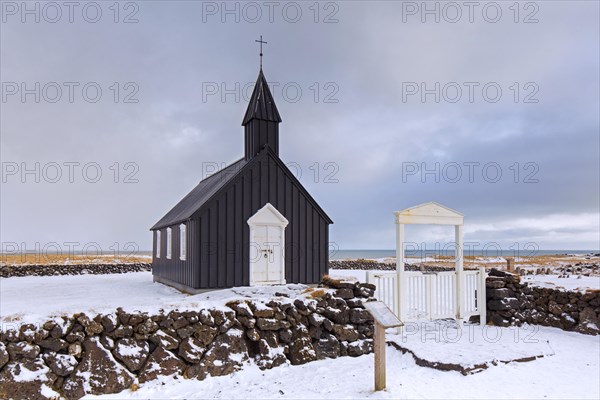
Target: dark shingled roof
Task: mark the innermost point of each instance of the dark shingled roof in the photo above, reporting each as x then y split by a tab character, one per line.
199	195
261	105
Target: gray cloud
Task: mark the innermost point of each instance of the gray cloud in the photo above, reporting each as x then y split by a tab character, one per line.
367	59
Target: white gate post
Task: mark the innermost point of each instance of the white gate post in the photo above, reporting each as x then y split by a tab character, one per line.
400	284
481	299
458	233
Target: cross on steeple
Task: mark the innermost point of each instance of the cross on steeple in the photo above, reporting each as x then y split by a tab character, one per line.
261	53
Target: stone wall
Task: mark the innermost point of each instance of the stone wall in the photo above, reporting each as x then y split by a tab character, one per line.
362	264
510	302
7	271
102	354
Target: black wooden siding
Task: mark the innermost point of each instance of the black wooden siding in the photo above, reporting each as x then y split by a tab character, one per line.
218	234
257	134
175	269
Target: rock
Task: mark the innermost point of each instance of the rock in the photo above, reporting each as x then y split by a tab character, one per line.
588	321
285	335
262	311
327	347
4	356
315	319
164	340
499	320
147	327
133	353
94	328
75	349
360	316
269	356
271	324
364	291
20	350
122	331
109	322
205	334
504	304
191	350
161	363
567	321
75	337
53	344
253	335
195	371
355	303
499	294
185	332
301	347
226	353
494	282
60	364
206	318
554	308
180	323
345	333
366	330
360	347
136	319
27	379
242	309
97	373
27	332
339	316
345	293
247	322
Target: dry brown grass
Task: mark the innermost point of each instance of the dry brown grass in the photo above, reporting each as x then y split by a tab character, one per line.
317	294
44	259
523	260
328	280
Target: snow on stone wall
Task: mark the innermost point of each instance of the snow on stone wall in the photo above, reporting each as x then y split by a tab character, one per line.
79	355
510	302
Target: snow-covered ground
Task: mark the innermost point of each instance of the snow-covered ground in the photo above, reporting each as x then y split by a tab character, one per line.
571	373
569	369
571	283
35	299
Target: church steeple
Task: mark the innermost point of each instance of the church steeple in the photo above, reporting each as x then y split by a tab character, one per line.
261	122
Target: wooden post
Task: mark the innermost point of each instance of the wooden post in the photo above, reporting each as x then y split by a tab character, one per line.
379	349
400	276
458	232
383	318
510	264
481	301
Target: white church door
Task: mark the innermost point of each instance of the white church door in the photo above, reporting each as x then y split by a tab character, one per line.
267	246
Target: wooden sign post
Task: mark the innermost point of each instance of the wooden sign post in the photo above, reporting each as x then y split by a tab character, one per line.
384	318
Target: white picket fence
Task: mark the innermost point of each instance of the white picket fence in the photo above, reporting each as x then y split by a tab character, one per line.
432	296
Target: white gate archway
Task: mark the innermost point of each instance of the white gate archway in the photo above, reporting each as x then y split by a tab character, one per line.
415	295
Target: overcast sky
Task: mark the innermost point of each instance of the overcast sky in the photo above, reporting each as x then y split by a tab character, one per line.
499	103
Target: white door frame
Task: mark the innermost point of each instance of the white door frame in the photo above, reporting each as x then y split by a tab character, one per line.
268	215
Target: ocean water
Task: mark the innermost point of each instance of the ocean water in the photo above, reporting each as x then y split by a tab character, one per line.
371	254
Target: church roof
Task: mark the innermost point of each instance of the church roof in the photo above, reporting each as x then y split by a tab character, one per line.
208	187
262	105
199	195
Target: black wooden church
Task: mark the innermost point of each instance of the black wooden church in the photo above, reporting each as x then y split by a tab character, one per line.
251	223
